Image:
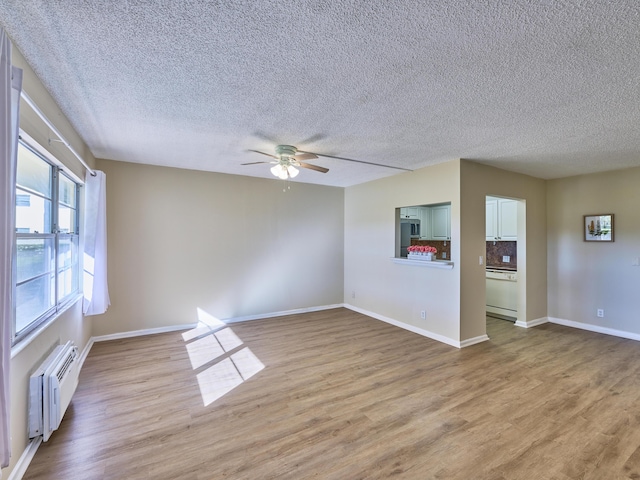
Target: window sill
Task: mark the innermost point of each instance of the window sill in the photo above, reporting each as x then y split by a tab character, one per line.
22	344
423	263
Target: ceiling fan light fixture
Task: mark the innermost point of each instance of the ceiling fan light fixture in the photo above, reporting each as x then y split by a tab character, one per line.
287	161
280	171
276	170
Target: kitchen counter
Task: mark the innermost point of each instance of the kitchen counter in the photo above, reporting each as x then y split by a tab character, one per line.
423	263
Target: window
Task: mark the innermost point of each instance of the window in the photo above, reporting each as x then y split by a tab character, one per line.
47	240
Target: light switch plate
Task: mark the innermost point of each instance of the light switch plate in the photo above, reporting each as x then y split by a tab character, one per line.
635	262
506	258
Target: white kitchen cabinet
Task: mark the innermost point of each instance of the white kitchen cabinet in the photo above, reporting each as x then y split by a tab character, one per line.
492	219
425	223
501	219
440	222
410	212
507	219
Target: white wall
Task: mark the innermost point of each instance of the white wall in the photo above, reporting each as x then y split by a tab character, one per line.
400	292
230	245
585	276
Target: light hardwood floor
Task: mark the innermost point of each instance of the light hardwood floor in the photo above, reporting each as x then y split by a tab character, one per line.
343	396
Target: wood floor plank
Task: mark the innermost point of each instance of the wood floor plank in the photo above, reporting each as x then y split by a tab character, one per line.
343	396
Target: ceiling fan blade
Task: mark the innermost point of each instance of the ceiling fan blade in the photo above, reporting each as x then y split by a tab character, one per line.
253	163
262	153
313	138
313	167
359	161
305	156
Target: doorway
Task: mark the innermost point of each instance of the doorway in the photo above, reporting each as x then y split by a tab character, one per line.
504	256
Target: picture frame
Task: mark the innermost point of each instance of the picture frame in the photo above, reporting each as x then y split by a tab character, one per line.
598	227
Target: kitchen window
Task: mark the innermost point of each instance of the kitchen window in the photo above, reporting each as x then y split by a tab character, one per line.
47	241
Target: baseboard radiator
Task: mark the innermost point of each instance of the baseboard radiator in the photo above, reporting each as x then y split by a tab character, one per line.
50	390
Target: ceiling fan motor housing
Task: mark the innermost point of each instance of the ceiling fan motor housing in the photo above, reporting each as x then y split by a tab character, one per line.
286	150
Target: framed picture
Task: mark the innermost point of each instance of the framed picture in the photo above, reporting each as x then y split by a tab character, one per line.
598	228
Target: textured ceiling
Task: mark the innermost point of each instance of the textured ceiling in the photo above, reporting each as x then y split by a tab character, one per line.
547	88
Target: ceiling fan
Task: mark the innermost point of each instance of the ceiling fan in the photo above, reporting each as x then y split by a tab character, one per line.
288	158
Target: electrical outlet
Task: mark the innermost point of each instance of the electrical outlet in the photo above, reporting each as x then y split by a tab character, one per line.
353	294
635	262
480	260
506	258
423	315
444	254
600	313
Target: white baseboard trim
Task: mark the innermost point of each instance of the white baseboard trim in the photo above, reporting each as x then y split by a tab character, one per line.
472	341
140	333
85	353
406	326
595	328
24	461
188	326
532	323
283	313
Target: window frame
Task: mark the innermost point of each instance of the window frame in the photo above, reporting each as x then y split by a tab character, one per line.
60	303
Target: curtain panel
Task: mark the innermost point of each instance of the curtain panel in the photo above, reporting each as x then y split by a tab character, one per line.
10	87
96	291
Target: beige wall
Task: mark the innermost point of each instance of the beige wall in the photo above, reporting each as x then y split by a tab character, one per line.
453	299
400	292
232	246
39	131
70	325
476	182
585	276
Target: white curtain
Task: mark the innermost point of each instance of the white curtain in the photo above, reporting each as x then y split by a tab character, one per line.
10	86
96	291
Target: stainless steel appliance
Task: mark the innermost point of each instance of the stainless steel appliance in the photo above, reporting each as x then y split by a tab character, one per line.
409	228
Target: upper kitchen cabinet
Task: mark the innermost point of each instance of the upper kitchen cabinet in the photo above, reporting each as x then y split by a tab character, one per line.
440	222
501	219
410	212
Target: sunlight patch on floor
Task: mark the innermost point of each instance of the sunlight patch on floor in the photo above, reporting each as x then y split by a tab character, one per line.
222	377
206	324
230	363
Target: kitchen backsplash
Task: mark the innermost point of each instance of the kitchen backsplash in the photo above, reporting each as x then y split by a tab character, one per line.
438	244
495	254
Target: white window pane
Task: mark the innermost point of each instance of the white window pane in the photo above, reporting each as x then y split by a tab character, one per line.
67	266
33	213
33	173
66	219
65	283
33	299
34	257
67	189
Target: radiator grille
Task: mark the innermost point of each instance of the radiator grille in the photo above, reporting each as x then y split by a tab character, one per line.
66	365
